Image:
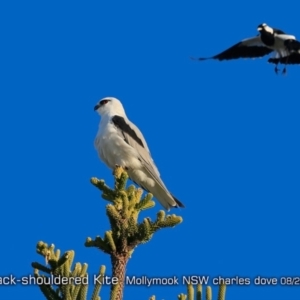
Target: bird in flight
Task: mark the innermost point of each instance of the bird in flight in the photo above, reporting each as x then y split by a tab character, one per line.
268	40
120	143
293	58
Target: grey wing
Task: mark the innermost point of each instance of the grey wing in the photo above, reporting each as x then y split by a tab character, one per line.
144	152
133	136
252	42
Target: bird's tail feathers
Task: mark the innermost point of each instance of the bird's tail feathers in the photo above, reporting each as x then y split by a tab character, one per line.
160	192
166	199
179	204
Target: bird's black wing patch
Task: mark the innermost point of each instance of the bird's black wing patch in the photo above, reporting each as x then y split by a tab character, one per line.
292	45
240	51
278	31
180	204
124	127
292	59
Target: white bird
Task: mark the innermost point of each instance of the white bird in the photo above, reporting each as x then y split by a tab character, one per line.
269	40
120	142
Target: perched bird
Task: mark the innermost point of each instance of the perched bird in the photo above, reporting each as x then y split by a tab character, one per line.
120	142
268	40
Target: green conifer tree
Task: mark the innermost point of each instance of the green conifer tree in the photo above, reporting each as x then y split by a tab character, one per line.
125	234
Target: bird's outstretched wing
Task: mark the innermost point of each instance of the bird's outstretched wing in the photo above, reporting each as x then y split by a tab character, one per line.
292	59
247	48
292	45
291	55
133	137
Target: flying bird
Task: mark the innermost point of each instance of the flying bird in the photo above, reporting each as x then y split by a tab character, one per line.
268	40
120	142
293	58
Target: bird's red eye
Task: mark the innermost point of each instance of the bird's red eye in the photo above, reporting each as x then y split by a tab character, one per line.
103	102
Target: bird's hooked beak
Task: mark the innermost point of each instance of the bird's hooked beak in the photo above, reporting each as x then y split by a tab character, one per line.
259	28
96	107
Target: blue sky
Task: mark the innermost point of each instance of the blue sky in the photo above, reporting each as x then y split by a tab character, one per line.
224	135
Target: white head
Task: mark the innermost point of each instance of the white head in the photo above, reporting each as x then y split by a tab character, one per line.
265	27
109	106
